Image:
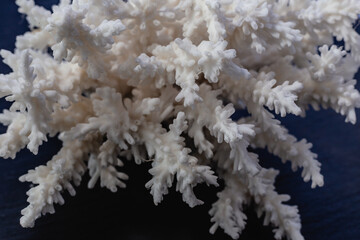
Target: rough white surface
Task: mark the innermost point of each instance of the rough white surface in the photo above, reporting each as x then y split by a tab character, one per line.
159	80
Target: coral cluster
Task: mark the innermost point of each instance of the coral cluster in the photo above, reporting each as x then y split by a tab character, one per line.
159	80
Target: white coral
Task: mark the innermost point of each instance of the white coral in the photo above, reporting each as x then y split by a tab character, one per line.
160	80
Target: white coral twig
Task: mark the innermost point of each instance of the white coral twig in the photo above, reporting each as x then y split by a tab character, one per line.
174	159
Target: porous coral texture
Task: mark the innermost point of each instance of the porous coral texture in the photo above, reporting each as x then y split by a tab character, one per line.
158	80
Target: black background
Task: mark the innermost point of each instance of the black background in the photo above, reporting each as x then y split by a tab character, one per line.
331	212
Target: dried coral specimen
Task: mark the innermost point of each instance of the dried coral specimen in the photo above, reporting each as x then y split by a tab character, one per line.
149	80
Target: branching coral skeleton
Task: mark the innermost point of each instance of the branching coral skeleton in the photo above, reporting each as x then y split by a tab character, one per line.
161	79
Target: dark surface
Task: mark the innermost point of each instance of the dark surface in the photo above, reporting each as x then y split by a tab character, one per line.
331	212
